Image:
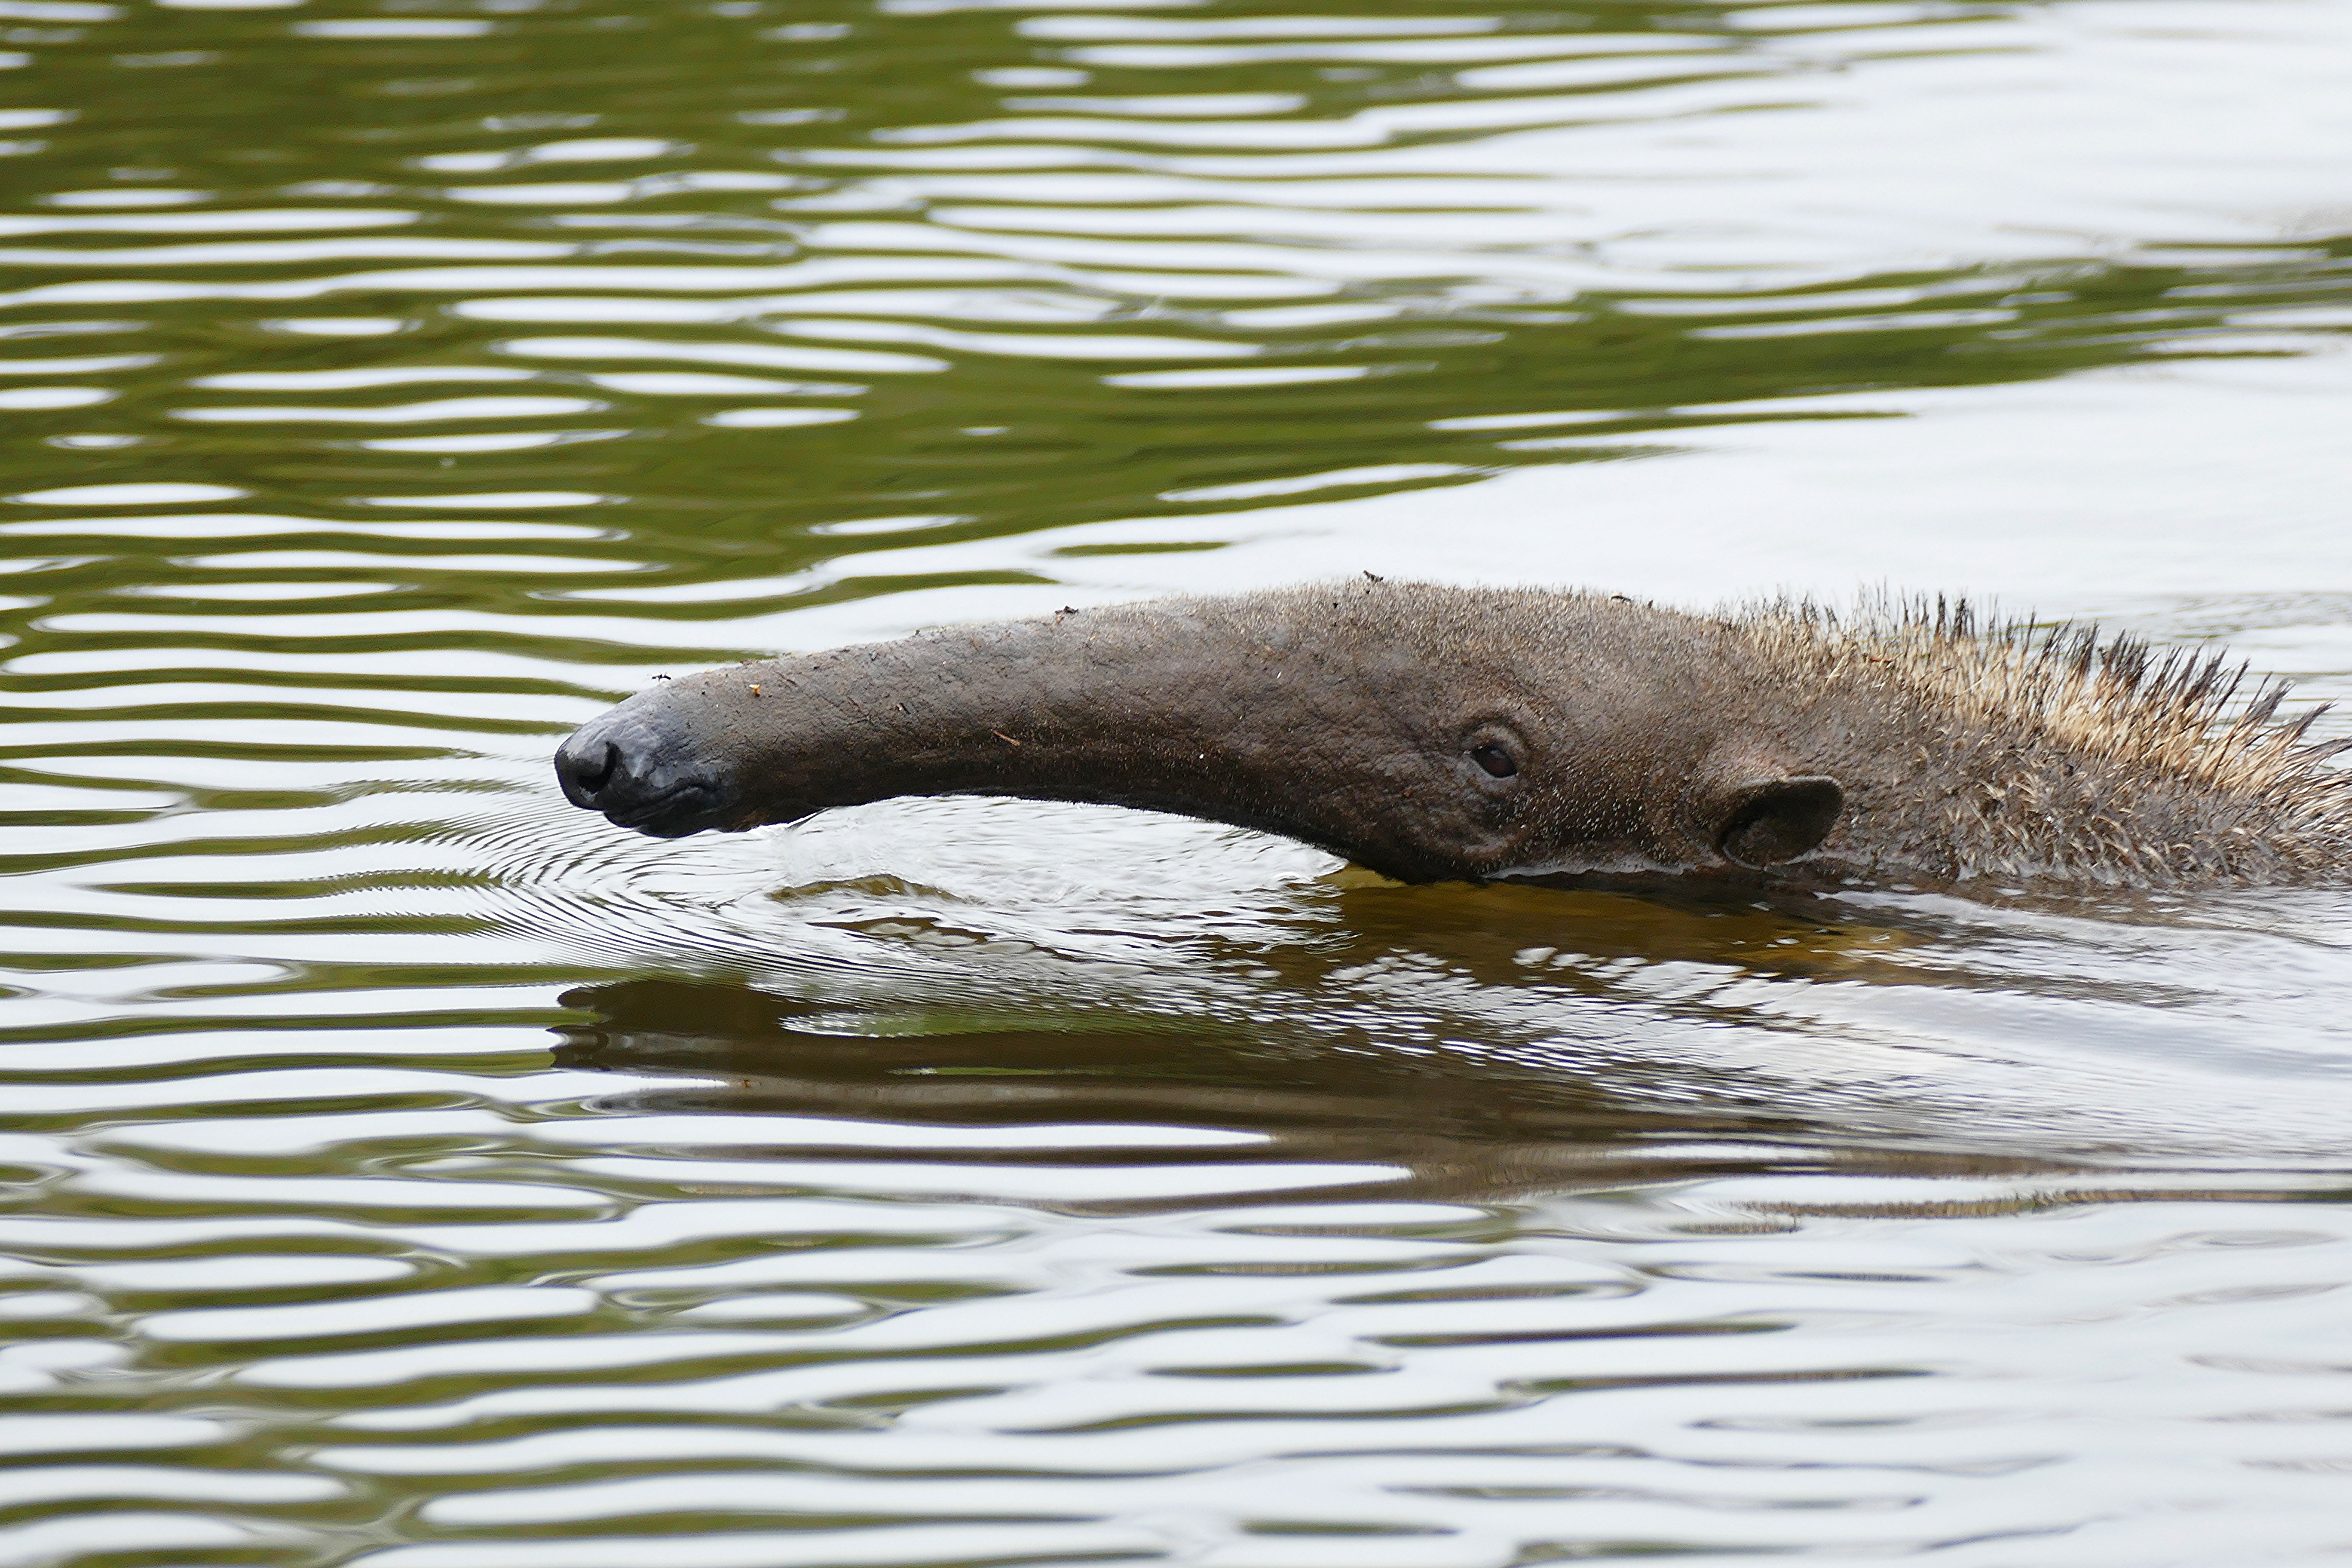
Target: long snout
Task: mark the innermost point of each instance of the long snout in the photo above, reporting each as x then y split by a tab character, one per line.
1253	711
629	765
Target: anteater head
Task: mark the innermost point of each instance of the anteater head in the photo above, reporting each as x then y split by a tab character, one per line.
1428	734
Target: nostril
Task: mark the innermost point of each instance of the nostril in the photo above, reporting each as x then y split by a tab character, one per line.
594	777
640	772
584	769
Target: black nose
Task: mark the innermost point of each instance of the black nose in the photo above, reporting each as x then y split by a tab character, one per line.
582	770
627	765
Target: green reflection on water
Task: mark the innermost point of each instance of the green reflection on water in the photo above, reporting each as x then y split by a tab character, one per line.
735	148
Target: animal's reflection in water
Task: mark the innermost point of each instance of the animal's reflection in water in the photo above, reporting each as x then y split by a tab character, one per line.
1464	1128
1499	1039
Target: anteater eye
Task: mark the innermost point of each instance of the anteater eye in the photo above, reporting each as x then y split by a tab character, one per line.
1495	760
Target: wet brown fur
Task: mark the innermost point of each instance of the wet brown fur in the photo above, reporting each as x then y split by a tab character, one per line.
1345	715
2055	754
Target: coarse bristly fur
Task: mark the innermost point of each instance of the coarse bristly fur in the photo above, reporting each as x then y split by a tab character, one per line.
2070	756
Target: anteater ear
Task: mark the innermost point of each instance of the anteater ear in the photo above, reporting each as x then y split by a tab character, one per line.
1768	822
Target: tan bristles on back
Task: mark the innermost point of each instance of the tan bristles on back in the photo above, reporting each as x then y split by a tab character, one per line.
2193	716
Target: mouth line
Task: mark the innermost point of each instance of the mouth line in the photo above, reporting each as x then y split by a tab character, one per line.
645	815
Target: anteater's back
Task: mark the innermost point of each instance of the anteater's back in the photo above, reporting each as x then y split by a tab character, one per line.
2009	750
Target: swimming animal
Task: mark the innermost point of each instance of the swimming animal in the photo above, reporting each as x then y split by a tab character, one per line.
1434	733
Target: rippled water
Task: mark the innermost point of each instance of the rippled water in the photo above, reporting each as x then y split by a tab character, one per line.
404	1168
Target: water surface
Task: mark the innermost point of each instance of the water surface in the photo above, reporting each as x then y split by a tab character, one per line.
406	1169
